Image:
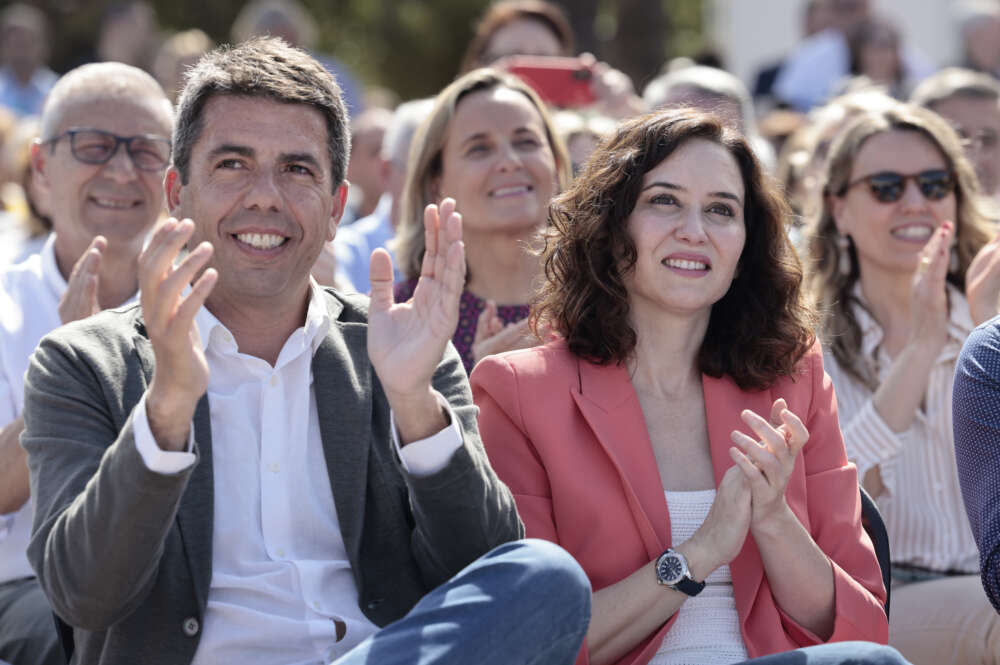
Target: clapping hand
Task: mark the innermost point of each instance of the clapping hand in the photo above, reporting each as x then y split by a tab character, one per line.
493	337
80	298
406	341
929	300
768	461
720	537
180	376
982	282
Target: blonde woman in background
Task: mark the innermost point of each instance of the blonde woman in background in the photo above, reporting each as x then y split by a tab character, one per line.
893	273
490	144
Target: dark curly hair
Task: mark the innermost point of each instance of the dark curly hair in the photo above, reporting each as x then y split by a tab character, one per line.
760	328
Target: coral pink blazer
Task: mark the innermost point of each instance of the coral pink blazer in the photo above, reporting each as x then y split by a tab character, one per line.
569	438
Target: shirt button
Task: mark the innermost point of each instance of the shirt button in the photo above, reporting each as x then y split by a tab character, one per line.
316	604
191	626
281	552
274	467
274	380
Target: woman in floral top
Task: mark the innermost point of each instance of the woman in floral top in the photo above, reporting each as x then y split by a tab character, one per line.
490	144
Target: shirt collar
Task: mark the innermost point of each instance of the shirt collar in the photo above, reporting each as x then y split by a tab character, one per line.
50	268
314	330
959	321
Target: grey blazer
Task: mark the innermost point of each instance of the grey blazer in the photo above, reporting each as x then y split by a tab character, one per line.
125	555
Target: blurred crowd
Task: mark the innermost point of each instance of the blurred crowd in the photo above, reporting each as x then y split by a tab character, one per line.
885	171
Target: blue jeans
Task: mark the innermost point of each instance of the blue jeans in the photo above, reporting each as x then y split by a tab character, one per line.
837	653
525	602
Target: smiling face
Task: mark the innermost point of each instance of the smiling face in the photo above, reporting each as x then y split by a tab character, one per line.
497	163
888	237
688	229
114	199
260	190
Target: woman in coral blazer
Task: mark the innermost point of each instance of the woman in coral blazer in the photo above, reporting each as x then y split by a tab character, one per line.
681	429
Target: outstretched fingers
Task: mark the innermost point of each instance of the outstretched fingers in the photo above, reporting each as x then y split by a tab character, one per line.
444	237
431	223
453	277
380	276
160	282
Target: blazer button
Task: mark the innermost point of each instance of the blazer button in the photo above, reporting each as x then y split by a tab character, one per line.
191	626
374	602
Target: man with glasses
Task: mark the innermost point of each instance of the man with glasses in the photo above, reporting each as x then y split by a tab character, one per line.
99	165
970	101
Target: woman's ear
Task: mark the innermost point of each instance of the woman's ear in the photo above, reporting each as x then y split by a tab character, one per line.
838	210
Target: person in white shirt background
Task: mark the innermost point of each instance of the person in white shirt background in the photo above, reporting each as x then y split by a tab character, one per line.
354	244
99	164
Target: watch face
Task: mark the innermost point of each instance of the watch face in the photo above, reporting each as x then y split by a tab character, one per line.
670	570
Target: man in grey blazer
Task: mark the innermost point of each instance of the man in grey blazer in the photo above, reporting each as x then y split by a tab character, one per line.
250	468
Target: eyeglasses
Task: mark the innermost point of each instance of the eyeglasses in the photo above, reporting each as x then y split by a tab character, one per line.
149	152
888	186
983	139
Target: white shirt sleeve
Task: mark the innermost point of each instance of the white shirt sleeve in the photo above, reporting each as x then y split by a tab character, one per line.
157	459
430	455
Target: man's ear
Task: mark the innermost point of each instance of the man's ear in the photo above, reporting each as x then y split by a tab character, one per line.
39	166
172	185
339	202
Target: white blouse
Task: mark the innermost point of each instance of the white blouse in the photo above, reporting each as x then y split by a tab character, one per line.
922	504
707	630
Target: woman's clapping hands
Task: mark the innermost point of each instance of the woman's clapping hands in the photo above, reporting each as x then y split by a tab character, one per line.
768	460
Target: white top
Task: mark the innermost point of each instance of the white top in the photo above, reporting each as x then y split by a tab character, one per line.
922	506
280	572
29	310
707	630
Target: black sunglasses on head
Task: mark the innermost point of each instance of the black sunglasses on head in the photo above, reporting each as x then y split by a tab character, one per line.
888	186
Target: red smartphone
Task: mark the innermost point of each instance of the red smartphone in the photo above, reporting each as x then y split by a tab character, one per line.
561	82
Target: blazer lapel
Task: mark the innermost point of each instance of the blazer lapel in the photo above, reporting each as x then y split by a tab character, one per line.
724	401
342	378
195	515
610	406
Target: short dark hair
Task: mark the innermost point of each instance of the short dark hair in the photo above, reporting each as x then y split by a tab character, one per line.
758	331
262	67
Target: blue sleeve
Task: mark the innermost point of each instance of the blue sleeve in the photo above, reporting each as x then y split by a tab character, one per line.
976	420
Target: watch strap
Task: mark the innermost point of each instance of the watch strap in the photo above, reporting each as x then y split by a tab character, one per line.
689	586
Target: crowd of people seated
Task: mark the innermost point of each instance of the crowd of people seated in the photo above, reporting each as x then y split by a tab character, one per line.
292	374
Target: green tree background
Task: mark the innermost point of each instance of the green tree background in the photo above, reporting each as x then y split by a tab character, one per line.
413	47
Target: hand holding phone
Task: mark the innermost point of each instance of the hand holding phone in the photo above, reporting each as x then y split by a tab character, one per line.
560	81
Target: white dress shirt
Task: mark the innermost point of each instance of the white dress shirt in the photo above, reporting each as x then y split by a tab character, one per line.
922	504
280	572
29	310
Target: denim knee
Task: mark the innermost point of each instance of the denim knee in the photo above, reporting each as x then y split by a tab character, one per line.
547	571
870	653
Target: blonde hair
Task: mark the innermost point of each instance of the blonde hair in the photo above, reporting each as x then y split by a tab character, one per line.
425	160
830	288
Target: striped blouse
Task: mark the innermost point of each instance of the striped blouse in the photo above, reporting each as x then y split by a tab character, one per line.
922	504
